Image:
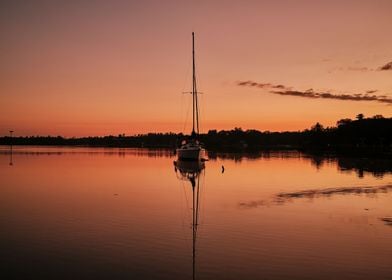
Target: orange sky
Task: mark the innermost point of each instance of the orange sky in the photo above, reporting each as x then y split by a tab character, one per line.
82	68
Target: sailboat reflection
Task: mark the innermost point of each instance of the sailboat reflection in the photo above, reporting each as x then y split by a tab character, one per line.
191	171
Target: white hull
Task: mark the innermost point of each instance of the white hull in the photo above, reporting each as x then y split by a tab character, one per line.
191	153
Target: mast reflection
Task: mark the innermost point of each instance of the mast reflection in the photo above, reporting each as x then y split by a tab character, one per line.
11	163
191	171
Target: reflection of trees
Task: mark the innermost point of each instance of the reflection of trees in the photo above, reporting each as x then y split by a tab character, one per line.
317	161
121	152
375	166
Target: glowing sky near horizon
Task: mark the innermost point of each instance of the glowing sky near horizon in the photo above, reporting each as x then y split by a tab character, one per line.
78	68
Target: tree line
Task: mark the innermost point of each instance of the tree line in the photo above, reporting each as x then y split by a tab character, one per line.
372	135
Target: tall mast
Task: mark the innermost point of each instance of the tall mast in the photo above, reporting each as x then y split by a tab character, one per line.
195	107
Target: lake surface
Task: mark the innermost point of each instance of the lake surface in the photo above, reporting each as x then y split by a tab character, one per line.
108	213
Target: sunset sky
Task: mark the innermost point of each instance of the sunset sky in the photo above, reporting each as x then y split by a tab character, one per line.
80	68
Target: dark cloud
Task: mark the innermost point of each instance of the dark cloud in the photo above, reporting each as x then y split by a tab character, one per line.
310	93
264	85
387	221
387	66
373	91
254	84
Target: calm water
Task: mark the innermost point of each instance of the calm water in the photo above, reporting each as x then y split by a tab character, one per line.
86	213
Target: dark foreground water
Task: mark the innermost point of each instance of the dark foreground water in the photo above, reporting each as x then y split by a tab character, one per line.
84	213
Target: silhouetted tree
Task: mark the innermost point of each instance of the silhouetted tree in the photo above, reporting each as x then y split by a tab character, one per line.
317	127
343	122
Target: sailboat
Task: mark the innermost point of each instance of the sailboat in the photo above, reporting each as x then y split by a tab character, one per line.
192	149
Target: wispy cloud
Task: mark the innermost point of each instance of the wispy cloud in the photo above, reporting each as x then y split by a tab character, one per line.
352	97
310	93
359	68
387	66
351	69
